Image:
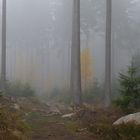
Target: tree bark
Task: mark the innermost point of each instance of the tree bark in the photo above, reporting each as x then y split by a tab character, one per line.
75	55
3	55
108	53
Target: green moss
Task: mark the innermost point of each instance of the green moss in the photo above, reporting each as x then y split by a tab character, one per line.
72	126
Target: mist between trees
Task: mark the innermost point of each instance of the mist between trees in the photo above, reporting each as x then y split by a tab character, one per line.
39	40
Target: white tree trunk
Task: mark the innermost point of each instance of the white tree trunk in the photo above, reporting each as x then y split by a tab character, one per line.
75	55
3	55
108	53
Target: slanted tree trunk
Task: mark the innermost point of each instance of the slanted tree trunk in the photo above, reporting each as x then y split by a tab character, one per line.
108	53
75	55
3	55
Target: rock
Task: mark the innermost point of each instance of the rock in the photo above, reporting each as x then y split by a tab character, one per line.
51	114
16	107
68	115
55	110
129	118
64	108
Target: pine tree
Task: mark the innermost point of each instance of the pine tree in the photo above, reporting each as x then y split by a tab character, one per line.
136	61
130	90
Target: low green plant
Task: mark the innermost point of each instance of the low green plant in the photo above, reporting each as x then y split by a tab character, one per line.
19	89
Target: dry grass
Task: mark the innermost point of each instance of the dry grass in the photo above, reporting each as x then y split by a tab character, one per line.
99	122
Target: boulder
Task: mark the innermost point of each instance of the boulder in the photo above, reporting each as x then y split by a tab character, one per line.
128	119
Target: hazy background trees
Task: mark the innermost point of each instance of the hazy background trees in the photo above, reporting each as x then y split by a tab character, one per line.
39	41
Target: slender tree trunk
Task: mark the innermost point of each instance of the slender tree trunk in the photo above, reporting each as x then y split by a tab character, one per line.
3	55
75	55
108	53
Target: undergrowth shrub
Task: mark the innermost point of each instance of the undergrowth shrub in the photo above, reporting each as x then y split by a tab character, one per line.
100	122
96	121
129	131
19	89
12	126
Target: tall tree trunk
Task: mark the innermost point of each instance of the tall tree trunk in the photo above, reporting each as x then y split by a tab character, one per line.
75	55
108	53
3	55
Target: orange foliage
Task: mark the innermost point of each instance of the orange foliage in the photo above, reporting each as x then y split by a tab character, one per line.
87	72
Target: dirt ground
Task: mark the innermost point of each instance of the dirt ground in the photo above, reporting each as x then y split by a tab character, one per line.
56	128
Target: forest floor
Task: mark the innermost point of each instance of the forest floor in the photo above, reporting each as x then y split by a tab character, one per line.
47	121
57	128
58	121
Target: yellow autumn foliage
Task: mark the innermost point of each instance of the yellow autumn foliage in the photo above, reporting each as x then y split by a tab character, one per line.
87	71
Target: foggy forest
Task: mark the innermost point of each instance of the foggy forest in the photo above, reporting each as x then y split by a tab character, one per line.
69	70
